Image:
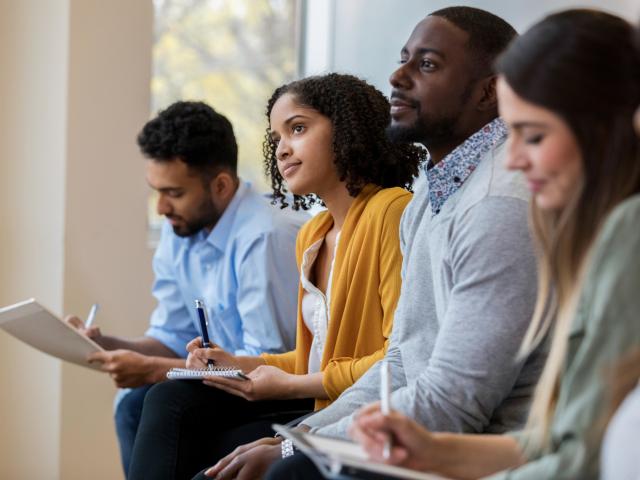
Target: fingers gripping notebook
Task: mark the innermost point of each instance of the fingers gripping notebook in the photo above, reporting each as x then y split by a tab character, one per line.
202	373
34	325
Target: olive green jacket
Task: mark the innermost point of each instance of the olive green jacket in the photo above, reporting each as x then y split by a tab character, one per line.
607	324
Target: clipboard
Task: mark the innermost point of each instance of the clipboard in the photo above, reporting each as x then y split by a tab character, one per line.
340	459
33	324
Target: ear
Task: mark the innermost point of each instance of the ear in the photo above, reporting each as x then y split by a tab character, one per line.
223	186
488	97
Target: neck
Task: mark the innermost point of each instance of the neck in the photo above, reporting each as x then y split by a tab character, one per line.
438	152
338	202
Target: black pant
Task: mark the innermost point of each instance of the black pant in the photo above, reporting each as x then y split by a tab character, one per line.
295	467
187	426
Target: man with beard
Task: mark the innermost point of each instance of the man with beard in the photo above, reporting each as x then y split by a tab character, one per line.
468	274
223	243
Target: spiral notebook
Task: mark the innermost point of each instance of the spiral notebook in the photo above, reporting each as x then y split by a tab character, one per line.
202	373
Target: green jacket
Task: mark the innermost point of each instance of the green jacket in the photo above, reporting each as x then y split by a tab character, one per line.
607	324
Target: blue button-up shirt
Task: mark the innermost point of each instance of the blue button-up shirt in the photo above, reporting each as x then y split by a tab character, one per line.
244	270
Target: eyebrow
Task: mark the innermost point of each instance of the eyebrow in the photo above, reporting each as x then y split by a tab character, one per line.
525	124
422	51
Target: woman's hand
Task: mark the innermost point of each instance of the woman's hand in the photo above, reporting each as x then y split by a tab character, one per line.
412	445
265	383
198	356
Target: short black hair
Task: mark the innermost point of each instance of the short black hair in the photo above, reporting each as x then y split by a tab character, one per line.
489	35
359	115
193	132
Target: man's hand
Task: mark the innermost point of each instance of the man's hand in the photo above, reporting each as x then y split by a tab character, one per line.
129	369
198	356
92	332
249	461
265	383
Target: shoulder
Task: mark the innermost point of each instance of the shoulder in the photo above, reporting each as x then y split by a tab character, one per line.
617	243
387	203
257	216
492	179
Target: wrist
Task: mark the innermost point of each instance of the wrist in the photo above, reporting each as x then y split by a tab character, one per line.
156	372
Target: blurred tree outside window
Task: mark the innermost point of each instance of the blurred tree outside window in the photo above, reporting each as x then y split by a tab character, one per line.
231	54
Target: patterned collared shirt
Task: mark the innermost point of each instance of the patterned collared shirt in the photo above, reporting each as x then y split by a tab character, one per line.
447	176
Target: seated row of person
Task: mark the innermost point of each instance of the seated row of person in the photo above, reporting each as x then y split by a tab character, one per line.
443	285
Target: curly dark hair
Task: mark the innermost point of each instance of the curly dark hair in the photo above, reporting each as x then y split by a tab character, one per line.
359	115
193	132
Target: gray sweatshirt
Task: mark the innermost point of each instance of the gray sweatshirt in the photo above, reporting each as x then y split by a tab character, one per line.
468	290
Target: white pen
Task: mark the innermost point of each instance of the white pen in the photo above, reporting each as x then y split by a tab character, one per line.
385	393
92	315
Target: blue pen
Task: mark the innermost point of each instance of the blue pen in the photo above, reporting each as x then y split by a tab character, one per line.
204	328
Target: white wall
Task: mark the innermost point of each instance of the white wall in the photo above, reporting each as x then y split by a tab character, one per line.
75	91
365	36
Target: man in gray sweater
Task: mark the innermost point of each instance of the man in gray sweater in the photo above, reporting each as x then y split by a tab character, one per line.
468	273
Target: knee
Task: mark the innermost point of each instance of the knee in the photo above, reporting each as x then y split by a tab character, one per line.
129	405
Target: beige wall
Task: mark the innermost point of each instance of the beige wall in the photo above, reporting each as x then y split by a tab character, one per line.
75	91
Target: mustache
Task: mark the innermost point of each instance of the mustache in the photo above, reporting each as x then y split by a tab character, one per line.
395	94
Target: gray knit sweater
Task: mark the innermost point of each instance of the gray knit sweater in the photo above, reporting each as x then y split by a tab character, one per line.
468	289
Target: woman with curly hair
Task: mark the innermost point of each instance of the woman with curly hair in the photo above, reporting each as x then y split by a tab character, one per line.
325	143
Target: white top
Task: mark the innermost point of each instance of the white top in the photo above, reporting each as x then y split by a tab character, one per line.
620	448
315	304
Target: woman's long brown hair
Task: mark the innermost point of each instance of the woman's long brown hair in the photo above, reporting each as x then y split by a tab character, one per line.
581	65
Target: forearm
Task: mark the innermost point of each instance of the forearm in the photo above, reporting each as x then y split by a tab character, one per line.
308	386
144	345
472	456
247	363
161	365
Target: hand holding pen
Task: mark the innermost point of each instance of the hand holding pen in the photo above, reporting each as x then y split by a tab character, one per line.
203	318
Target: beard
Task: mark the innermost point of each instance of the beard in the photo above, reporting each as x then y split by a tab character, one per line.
205	216
431	132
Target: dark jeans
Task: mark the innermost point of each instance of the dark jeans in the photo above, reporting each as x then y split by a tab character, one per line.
127	418
187	426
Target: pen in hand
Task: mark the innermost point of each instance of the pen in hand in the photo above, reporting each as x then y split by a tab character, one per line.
92	316
385	393
204	328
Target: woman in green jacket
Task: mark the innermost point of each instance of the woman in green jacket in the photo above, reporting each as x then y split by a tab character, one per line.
567	89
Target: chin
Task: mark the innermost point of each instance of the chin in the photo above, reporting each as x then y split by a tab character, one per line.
547	203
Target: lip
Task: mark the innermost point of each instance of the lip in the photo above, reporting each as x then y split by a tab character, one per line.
400	105
290	168
535	185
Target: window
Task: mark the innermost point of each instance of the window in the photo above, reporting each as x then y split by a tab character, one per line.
231	54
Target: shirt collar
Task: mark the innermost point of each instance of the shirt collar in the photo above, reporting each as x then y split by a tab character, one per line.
220	232
446	177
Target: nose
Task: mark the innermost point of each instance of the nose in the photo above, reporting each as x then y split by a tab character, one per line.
163	207
401	78
516	159
283	150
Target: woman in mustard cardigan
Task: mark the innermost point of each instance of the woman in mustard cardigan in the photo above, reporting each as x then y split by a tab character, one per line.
326	142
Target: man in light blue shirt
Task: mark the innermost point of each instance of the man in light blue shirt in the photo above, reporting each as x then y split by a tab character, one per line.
222	243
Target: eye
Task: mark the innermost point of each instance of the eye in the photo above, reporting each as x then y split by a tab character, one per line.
274	141
534	139
427	64
298	128
402	61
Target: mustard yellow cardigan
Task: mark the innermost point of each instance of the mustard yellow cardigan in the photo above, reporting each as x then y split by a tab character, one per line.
364	291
